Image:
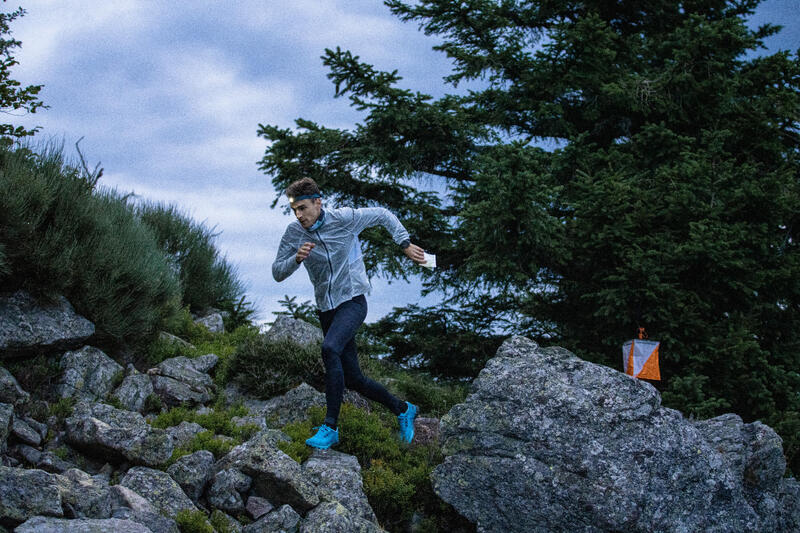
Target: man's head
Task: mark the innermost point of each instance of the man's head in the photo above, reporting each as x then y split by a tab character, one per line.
305	200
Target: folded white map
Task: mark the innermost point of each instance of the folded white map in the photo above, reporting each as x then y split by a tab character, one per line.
430	261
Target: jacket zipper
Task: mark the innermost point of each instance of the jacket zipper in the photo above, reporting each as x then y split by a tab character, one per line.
330	264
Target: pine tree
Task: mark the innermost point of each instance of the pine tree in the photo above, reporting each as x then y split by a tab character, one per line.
625	164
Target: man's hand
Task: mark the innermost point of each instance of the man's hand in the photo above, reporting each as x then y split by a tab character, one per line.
415	253
303	252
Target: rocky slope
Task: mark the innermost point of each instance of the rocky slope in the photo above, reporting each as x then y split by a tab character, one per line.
545	442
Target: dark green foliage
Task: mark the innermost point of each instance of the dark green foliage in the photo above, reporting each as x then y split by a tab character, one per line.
206	440
62	409
63	236
14	97
217	421
266	369
305	311
37	375
207	279
193	522
667	196
396	475
219	522
446	342
153	403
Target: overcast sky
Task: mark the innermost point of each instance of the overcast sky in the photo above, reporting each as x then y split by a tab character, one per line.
168	97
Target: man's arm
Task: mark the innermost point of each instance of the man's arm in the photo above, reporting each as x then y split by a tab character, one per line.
368	217
286	261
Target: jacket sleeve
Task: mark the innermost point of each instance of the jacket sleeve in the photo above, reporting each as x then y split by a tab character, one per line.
367	217
285	263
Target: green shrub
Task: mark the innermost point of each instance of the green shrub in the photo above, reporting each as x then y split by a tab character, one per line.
207	279
36	375
217	421
62	409
153	404
61	235
267	369
205	440
193	522
220	522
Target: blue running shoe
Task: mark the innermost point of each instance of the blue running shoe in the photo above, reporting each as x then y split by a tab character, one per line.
407	422
325	438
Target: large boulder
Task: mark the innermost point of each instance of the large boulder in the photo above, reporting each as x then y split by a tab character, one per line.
183	433
43	524
192	472
213	322
159	489
276	476
28	493
28	325
178	381
292	406
128	505
548	442
292	329
84	496
133	391
10	391
333	517
227	487
283	520
88	374
102	431
338	475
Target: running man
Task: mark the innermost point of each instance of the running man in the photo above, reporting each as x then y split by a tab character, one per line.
326	242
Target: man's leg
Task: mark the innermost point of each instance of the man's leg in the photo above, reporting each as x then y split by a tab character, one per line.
355	380
339	327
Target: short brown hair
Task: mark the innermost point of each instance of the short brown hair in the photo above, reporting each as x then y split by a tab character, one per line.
302	187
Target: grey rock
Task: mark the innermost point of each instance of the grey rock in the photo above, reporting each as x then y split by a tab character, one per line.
39	427
159	489
192	472
548	442
257	421
292	329
283	520
133	391
31	455
28	325
233	394
169	338
174	392
183	433
43	524
23	432
276	476
84	496
258	507
154	522
183	369
292	406
212	322
338	475
6	423
10	391
205	363
227	487
88	374
28	493
100	430
50	462
333	517
129	505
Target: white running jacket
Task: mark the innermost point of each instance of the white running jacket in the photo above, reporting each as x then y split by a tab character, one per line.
335	265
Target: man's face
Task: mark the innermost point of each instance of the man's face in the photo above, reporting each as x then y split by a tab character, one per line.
307	211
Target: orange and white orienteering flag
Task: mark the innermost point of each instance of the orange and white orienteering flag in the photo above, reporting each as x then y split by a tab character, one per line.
640	359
